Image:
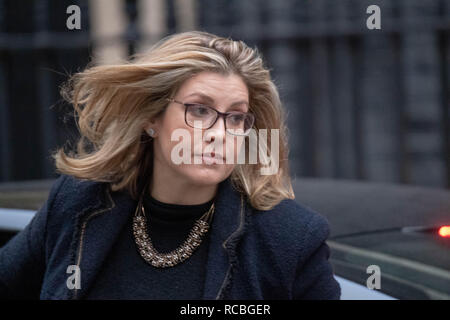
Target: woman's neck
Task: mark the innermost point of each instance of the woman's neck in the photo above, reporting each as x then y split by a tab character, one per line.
179	191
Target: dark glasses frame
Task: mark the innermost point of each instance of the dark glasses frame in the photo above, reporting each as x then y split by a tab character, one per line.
219	114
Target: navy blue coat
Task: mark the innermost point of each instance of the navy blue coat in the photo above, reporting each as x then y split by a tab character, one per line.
275	254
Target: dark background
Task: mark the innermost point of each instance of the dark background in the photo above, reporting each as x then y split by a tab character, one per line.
363	104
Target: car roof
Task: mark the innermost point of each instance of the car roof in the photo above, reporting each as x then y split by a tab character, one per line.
15	220
350	206
359	207
351	290
29	195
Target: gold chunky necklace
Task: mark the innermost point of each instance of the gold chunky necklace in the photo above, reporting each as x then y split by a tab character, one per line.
163	260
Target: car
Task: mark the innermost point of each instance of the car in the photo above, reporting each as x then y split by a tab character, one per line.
19	201
379	230
398	230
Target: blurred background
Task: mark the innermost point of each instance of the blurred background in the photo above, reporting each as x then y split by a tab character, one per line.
363	104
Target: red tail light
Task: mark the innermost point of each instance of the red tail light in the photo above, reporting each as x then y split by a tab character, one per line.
444	231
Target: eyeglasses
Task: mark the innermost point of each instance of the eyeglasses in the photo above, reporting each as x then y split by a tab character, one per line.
201	116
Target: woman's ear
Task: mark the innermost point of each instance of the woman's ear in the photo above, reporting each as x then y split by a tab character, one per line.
151	127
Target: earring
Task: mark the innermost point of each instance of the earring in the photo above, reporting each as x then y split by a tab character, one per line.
151	132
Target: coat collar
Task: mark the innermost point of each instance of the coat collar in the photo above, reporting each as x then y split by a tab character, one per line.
98	226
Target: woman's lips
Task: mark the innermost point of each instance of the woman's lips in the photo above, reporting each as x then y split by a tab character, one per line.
211	158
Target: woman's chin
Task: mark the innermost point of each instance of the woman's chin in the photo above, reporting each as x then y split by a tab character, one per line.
207	174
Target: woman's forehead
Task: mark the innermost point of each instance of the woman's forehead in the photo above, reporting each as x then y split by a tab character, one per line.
213	86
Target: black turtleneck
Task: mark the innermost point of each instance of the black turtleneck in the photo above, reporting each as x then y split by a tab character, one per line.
126	275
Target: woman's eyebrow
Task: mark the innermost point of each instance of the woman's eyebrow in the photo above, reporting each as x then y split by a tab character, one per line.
211	100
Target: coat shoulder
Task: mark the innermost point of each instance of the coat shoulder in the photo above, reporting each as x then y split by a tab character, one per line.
70	196
291	222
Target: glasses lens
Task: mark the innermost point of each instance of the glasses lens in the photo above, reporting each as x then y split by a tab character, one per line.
200	116
240	123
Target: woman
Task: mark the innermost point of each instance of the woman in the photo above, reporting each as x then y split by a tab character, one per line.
155	202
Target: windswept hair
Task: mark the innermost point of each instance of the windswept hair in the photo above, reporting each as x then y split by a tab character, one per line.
113	103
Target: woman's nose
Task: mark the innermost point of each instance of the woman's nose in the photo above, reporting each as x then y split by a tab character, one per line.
218	130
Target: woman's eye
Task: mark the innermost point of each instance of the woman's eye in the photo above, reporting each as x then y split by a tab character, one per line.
200	110
237	118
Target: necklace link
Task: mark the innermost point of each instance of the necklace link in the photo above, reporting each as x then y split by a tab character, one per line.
163	260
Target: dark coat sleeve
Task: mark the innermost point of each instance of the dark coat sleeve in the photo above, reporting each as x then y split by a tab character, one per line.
314	277
22	259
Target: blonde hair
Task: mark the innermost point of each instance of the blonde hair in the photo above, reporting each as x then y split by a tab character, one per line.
114	102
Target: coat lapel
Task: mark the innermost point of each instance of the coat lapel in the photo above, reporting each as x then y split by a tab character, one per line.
226	229
98	227
98	230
